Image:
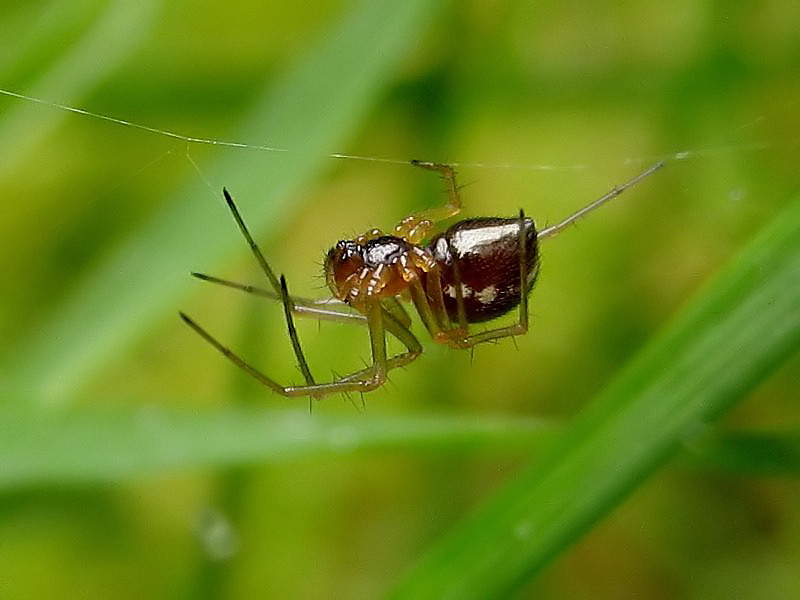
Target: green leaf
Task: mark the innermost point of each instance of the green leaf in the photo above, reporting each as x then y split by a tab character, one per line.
734	334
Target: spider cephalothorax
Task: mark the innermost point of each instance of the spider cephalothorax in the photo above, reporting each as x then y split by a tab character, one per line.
374	266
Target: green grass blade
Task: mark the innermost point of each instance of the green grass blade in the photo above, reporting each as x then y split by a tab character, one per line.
749	453
105	446
712	355
309	110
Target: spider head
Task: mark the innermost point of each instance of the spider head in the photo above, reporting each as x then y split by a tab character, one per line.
370	268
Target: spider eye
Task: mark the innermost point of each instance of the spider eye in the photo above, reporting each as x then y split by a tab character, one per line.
343	250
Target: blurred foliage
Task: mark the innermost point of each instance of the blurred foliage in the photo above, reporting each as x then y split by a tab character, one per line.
545	107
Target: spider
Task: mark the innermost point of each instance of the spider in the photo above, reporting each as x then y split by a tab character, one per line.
475	271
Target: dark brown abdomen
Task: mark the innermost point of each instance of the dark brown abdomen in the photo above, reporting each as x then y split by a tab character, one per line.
485	254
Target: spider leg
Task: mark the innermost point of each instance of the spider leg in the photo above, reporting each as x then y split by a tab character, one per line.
379	321
302	363
402	332
394	308
461	311
379	316
416	226
316	390
432	313
301	307
251	242
236	359
610	195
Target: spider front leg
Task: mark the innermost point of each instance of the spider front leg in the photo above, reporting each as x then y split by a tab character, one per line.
416	227
279	287
378	318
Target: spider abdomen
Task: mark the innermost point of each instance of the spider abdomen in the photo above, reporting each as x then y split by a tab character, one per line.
483	254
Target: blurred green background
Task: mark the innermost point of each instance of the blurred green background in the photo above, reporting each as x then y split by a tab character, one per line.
545	106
